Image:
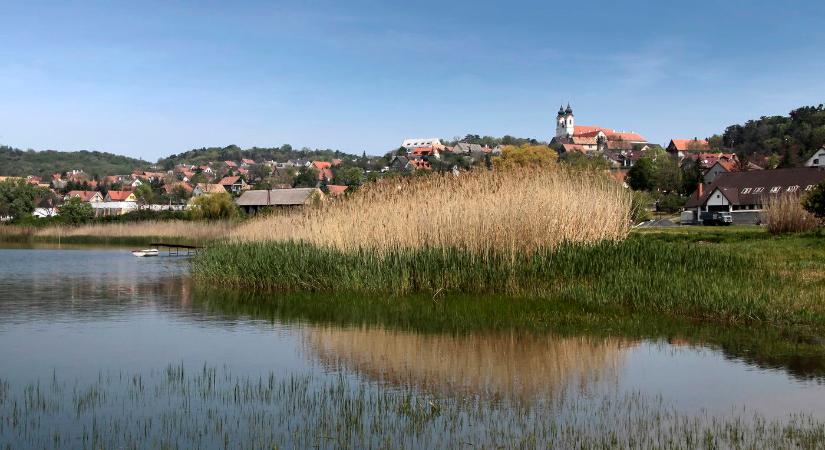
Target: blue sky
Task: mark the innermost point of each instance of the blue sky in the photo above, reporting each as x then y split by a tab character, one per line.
149	79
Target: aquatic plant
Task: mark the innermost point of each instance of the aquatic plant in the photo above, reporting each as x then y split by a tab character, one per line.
190	407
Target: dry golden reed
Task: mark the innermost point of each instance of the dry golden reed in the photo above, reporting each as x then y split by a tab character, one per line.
510	211
201	231
785	214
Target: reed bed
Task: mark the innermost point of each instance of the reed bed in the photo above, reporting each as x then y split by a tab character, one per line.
189	231
481	212
185	407
785	214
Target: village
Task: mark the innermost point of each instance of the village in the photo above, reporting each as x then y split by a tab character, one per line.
699	177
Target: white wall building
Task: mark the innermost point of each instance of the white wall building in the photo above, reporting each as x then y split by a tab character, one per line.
817	159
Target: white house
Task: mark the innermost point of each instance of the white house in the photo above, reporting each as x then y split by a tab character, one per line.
412	144
817	159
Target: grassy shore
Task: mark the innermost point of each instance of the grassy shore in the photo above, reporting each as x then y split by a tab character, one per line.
740	275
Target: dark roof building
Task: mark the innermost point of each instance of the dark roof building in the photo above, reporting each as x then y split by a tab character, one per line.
252	201
745	193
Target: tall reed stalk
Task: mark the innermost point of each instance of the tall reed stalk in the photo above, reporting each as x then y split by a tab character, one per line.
506	212
785	214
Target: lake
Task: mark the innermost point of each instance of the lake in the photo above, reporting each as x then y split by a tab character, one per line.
102	349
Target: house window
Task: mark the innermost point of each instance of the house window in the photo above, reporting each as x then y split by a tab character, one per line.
746	190
775	189
793	188
809	187
758	190
816	162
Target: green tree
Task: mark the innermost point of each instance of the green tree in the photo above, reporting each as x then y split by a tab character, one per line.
640	177
349	176
525	156
667	176
214	207
76	211
17	198
306	177
144	194
814	202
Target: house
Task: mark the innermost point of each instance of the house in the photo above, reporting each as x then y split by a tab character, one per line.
254	200
245	162
41	213
120	196
681	147
744	194
207	188
336	189
719	167
817	159
113	208
424	152
592	139
169	188
230	164
411	144
321	165
86	196
234	184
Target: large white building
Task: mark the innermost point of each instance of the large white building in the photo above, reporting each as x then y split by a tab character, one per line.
589	139
412	144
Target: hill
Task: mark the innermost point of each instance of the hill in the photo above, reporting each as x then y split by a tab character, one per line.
16	162
235	153
786	140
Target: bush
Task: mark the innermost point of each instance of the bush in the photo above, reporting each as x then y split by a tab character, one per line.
214	206
639	207
814	203
670	203
785	214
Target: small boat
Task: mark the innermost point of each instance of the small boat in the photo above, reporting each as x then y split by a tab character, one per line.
146	252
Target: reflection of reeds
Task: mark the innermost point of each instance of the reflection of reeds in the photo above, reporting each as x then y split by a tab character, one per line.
491	365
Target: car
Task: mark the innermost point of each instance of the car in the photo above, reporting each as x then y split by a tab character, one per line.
717	218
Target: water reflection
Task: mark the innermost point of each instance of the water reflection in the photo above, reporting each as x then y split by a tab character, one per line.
494	365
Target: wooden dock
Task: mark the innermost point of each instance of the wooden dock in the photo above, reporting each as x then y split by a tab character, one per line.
177	249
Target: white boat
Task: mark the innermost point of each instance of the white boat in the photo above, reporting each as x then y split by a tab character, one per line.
146	252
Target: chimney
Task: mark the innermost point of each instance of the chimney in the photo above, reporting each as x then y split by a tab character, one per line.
701	190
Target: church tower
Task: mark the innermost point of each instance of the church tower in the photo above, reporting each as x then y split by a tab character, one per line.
565	122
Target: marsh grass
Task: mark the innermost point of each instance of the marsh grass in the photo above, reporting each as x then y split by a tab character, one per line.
639	274
480	212
181	407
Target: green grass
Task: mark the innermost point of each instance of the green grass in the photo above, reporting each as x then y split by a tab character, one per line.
739	275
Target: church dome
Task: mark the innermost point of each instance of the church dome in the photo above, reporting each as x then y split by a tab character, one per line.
569	110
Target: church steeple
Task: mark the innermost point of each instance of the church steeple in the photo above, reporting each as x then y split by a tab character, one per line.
565	122
569	110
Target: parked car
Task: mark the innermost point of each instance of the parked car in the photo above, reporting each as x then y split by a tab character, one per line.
717	218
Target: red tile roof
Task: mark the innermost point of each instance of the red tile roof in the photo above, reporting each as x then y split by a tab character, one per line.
321	165
230	163
226	181
336	189
690	144
119	196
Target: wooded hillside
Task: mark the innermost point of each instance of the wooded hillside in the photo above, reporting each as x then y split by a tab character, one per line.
16	162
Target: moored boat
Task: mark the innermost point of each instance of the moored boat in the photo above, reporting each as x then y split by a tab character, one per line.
146	252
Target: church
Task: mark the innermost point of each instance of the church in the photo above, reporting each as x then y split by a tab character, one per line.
592	139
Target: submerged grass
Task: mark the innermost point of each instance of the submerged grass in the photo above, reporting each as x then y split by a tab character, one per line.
184	407
643	273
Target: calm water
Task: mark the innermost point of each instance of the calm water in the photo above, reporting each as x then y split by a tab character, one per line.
72	318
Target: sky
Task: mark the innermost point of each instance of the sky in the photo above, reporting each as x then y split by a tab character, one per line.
149	79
